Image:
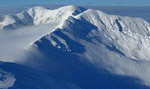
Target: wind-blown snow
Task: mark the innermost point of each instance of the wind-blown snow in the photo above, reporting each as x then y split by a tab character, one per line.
7	79
15	44
29	29
118	44
72	38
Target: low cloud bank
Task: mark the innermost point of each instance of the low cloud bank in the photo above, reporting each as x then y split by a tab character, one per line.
14	44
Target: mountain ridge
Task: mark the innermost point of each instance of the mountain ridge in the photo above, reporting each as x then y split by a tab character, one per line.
102	40
38	15
86	40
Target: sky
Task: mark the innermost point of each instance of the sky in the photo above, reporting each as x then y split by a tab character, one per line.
6	3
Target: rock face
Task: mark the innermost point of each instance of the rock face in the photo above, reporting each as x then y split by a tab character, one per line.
89	48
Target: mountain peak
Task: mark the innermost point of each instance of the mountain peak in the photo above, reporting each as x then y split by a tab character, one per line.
75	9
36	9
75	35
40	15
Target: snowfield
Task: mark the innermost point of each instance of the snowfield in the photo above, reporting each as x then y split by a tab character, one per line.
88	48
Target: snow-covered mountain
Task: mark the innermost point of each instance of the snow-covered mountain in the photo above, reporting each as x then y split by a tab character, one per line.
85	47
38	15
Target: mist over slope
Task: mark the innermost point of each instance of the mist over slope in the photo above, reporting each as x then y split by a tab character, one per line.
87	48
22	29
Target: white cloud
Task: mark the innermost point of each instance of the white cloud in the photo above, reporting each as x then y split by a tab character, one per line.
14	44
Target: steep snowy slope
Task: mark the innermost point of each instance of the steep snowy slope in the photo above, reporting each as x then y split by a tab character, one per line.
15	76
118	44
38	15
29	26
129	35
87	48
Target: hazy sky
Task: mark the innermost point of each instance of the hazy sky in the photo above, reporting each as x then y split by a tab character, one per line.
5	3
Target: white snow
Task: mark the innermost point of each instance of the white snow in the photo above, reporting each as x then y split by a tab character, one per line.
7	79
38	15
27	27
119	44
14	44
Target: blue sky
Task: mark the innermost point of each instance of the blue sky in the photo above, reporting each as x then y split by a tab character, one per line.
5	3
